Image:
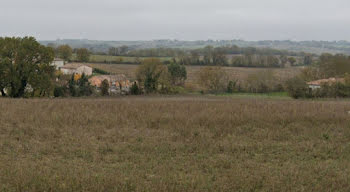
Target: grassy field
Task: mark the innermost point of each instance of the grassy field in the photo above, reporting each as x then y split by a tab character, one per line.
237	73
188	143
272	95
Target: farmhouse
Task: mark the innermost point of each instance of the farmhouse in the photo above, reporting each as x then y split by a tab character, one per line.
76	68
58	63
117	83
318	83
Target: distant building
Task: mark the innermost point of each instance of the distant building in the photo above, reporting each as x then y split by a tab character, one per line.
117	83
76	68
318	83
58	63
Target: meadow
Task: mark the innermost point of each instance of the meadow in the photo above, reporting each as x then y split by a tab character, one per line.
174	143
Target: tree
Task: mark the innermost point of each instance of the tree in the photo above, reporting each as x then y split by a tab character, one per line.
292	60
195	58
219	57
311	74
73	87
151	73
24	63
85	89
58	91
231	87
178	74
296	87
284	59
134	90
105	87
83	55
334	65
123	50
113	51
214	79
262	82
208	55
4	75
308	59
42	84
80	87
65	52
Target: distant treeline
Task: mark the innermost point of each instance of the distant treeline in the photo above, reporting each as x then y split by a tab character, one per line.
222	56
207	56
175	52
317	47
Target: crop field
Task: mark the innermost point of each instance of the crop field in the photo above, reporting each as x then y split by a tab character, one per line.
109	58
174	143
235	73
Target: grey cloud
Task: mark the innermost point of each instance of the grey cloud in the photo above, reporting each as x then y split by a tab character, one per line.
180	19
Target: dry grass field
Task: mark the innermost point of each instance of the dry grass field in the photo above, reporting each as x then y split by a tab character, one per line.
109	58
236	73
183	143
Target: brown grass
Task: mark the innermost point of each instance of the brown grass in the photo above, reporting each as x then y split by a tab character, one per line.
174	144
235	73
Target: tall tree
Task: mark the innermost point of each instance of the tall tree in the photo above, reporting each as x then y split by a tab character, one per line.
24	63
105	87
219	57
65	52
213	79
150	74
83	55
284	60
292	60
307	59
178	74
334	65
123	50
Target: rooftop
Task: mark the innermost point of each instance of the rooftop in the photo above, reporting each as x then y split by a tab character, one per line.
73	65
97	80
329	81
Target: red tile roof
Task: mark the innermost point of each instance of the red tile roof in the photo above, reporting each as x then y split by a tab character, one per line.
97	80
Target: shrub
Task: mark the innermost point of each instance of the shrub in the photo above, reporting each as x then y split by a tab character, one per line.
297	88
213	79
59	91
135	90
100	71
279	87
231	86
105	87
80	87
261	82
178	74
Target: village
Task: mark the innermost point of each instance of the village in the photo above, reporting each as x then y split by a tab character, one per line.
118	83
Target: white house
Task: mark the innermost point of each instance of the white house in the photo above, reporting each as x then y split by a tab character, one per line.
76	68
58	63
313	85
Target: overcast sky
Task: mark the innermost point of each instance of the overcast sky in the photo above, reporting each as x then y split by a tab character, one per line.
177	19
